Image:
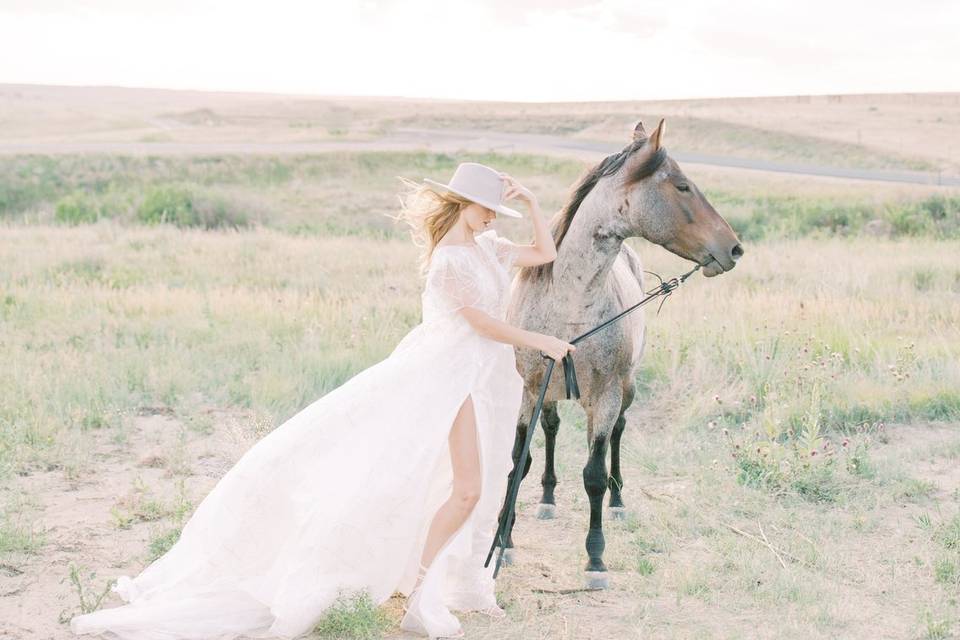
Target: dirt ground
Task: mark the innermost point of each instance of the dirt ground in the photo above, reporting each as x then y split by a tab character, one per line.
543	592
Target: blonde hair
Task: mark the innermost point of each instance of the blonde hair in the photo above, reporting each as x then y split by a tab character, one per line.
430	214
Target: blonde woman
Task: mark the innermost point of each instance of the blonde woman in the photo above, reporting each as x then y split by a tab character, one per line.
390	482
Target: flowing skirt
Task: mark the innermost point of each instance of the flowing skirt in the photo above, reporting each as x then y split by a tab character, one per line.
339	499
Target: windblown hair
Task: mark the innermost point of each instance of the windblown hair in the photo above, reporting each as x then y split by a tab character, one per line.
429	213
560	223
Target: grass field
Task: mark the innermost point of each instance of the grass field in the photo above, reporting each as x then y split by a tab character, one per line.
352	193
791	464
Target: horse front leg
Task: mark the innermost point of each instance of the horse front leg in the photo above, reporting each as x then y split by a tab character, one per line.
519	437
600	422
550	419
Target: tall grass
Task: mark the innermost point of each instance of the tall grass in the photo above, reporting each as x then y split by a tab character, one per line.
349	193
323	194
100	319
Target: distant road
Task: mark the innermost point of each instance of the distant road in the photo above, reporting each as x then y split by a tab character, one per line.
452	140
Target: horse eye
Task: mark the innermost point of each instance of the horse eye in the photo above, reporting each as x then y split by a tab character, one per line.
682	187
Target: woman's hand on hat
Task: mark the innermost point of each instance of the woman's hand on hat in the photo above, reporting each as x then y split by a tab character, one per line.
517	190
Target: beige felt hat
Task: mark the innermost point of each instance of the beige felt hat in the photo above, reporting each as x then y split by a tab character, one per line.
478	183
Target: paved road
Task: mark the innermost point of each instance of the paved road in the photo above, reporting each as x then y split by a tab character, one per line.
452	140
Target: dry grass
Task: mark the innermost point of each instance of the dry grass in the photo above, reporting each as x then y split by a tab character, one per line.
912	131
102	323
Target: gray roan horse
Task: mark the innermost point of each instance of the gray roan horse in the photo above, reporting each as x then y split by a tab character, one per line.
639	191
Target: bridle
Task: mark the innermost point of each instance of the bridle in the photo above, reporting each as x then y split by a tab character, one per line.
505	525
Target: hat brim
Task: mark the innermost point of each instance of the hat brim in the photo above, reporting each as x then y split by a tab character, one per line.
499	208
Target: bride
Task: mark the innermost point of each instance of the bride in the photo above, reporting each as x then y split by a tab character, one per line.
390	482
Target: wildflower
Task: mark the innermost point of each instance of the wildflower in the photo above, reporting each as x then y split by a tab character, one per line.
845	442
813	453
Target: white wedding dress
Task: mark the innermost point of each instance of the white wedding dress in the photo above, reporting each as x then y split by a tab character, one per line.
339	498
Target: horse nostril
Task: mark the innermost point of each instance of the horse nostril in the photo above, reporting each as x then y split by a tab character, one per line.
736	252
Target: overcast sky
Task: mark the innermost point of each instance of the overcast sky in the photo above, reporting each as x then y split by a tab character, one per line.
528	50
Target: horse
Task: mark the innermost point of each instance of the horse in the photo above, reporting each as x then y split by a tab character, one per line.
638	191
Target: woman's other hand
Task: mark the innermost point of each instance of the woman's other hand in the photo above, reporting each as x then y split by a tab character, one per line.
517	190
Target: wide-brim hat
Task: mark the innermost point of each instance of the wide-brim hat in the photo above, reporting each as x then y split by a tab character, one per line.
478	183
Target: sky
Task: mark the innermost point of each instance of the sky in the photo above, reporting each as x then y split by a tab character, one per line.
516	50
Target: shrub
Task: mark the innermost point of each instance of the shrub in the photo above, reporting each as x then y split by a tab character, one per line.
76	208
168	204
801	459
793	217
186	206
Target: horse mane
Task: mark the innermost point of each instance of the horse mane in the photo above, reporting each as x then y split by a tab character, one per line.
560	223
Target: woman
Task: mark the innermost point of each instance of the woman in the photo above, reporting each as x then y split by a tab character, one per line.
390	482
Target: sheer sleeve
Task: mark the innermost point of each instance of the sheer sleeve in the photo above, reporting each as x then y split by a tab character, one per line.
452	283
504	249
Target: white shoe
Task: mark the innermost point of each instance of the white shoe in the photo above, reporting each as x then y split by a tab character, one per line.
493	612
411	621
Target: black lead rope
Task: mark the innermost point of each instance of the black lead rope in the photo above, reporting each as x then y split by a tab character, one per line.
505	526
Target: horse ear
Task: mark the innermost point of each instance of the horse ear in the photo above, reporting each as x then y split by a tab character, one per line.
644	159
656	138
638	131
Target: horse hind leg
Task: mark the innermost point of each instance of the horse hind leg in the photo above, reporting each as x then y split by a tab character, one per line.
550	419
617	510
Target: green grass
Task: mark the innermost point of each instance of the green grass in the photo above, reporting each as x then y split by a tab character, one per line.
349	194
784	216
16	537
323	194
353	616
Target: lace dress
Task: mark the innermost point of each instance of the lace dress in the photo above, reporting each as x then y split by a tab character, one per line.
339	498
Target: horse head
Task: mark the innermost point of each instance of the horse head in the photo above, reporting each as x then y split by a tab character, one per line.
660	203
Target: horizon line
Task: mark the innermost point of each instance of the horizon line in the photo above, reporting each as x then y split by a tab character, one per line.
470	100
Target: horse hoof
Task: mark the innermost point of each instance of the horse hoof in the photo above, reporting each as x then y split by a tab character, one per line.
546	511
508	557
618	513
597	579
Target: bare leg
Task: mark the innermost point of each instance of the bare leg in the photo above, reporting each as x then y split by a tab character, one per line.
465	460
